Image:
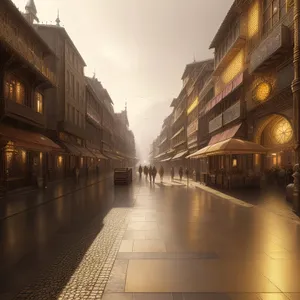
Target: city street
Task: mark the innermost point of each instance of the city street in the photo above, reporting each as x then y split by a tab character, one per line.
149	241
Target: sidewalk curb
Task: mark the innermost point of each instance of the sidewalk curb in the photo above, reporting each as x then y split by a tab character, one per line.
55	198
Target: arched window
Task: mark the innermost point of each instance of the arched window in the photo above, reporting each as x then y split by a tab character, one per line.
14	89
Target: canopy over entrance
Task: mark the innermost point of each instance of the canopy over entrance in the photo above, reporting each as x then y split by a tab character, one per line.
230	146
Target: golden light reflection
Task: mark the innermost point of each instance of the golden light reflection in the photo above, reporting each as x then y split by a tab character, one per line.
283	132
41	157
234	162
39	102
263	91
253	20
233	68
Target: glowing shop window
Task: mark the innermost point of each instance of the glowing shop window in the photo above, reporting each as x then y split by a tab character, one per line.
59	161
263	91
282	132
233	68
253	20
39	102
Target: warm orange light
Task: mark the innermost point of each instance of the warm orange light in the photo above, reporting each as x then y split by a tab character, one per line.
233	68
253	20
193	106
234	162
283	132
263	91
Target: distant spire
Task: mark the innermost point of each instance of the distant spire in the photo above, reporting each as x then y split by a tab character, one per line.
94	74
31	11
126	106
57	19
194	57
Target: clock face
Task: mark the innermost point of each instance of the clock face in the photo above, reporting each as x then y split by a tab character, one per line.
263	91
282	132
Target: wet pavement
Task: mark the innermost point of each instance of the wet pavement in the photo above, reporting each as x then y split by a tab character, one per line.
149	241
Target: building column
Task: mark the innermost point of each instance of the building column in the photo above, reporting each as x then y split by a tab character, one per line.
296	106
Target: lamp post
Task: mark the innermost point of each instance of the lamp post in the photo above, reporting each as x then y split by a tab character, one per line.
296	106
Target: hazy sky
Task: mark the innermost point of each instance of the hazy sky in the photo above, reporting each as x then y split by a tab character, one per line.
139	49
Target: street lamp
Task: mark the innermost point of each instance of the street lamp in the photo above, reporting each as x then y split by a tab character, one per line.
296	106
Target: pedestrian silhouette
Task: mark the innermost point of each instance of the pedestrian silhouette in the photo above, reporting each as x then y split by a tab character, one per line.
154	172
161	173
180	173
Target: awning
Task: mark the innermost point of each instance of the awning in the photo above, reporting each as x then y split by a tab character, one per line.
97	153
230	146
177	133
159	155
27	139
111	156
225	135
180	154
167	159
72	149
85	152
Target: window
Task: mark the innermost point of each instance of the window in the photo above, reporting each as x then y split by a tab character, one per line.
77	91
77	118
73	85
68	81
73	115
14	90
273	11
39	102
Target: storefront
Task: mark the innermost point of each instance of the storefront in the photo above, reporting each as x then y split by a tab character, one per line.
24	157
231	163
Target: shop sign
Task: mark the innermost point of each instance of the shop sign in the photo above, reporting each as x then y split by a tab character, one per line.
192	127
215	123
232	113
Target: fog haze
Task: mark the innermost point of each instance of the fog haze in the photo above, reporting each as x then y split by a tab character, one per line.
138	49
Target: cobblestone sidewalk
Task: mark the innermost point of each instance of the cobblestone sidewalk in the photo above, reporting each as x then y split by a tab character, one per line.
93	261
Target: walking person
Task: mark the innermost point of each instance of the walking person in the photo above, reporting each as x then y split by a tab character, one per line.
154	172
161	173
140	171
146	171
180	173
172	173
150	173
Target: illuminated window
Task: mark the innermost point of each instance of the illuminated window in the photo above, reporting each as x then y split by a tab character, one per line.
193	105
39	102
282	132
59	161
14	90
263	91
253	20
273	11
234	68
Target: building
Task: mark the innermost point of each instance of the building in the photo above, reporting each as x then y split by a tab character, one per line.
94	127
251	113
25	77
66	109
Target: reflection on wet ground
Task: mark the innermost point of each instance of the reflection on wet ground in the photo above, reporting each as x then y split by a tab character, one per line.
178	243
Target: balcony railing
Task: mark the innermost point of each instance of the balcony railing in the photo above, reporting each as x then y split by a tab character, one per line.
229	115
215	123
20	46
236	43
277	41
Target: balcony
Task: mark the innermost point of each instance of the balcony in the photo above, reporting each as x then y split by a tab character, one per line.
215	123
238	42
72	129
232	113
24	113
192	128
228	116
20	45
271	49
